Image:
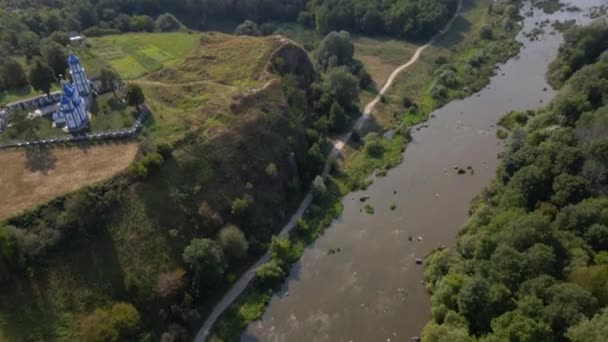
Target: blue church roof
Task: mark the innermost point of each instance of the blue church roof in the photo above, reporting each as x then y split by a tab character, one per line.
68	90
73	60
65	100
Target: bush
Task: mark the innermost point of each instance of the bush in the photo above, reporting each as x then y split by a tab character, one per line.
269	275
240	206
167	22
137	170
96	31
486	32
406	102
305	19
502	134
271	170
119	322
152	161
281	250
205	259
266	29
373	145
438	91
233	242
11	251
301	226
319	186
247	28
165	150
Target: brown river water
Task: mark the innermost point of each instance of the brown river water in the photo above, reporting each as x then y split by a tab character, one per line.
371	290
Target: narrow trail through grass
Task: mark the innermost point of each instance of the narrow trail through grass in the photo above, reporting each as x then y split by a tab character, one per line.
186	84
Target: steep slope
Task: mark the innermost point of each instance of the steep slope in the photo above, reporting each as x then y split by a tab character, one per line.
226	144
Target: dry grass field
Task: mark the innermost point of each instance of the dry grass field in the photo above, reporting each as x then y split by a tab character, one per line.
34	176
382	55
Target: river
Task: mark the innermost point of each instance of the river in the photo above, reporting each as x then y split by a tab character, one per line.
371	290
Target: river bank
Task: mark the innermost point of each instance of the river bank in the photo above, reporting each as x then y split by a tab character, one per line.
352	171
371	289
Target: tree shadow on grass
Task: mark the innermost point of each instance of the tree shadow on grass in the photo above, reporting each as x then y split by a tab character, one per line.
40	159
45	304
456	35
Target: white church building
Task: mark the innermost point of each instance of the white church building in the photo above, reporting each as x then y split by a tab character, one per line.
73	113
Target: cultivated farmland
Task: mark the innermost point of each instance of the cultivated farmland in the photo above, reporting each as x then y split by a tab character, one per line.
134	55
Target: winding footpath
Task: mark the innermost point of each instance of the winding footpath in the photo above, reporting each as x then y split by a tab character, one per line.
239	287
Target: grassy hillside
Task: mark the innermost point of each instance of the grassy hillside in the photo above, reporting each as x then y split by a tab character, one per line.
225	145
202	90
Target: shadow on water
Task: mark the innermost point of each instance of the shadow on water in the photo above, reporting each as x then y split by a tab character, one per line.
40	159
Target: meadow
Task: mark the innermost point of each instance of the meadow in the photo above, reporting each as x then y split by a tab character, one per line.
37	175
136	54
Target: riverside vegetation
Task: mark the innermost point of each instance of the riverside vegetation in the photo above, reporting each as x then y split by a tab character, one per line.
531	264
373	152
216	175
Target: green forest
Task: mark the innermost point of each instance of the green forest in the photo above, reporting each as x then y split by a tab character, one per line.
146	254
39	31
532	262
410	19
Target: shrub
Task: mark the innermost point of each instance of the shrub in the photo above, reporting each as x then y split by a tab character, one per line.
486	32
171	283
137	170
233	242
11	251
269	275
247	28
165	150
271	170
305	19
240	206
438	91
119	322
502	134
152	161
301	226
96	31
373	145
206	212
266	29
407	102
167	22
205	259
281	250
318	186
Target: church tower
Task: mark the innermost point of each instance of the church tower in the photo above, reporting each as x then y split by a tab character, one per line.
73	109
81	83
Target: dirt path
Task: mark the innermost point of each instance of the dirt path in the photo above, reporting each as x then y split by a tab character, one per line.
237	289
162	84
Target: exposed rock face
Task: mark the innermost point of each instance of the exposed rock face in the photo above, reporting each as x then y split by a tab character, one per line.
288	58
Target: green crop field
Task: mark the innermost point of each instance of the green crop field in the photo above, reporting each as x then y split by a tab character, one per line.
134	55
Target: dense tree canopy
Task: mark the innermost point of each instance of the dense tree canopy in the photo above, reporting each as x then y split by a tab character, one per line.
206	260
135	96
530	264
414	19
41	75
